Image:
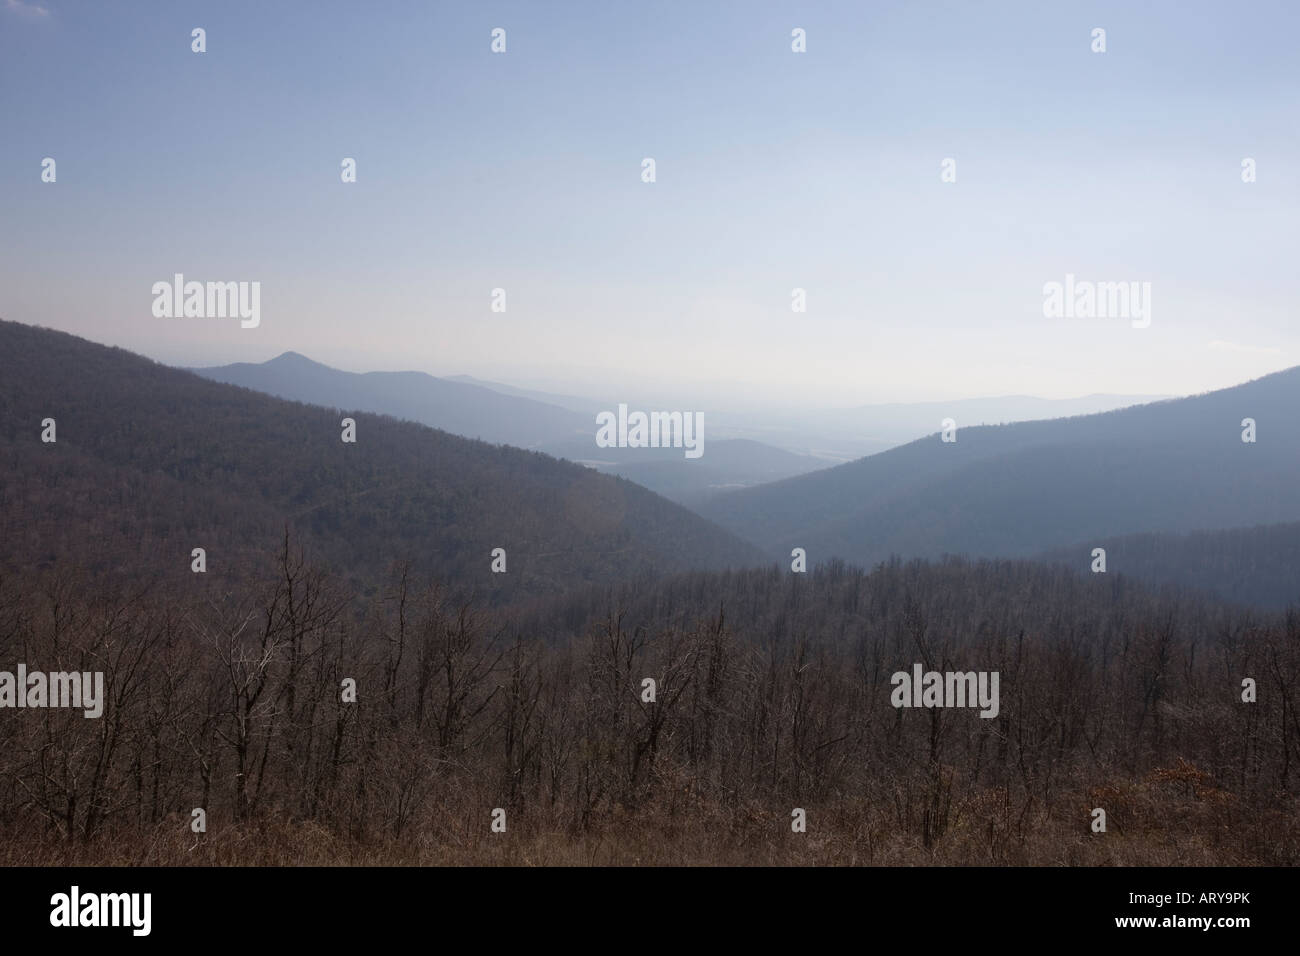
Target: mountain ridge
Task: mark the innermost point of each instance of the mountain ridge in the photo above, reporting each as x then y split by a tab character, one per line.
150	462
1013	490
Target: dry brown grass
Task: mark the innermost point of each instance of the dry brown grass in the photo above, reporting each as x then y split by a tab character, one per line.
1170	817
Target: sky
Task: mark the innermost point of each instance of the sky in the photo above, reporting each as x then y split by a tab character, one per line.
774	170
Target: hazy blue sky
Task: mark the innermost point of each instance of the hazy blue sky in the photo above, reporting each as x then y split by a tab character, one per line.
775	170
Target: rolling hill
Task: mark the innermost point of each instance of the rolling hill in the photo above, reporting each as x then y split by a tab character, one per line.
461	408
837	435
727	464
491	412
150	462
1018	490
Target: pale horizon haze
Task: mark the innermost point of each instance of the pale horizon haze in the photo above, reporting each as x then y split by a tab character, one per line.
775	170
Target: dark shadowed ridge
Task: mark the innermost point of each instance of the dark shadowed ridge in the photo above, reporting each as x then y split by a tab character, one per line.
151	462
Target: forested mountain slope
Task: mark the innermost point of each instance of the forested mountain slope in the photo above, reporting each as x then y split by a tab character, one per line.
1016	490
151	462
1258	566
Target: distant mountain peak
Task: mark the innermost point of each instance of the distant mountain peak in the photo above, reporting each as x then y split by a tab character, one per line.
291	357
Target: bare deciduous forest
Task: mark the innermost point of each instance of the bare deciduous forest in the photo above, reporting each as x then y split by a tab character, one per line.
772	693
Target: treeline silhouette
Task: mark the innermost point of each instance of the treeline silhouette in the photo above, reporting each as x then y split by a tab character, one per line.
772	692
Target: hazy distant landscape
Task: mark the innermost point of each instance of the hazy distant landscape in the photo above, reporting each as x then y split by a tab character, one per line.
522	689
562	425
605	435
1138	479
